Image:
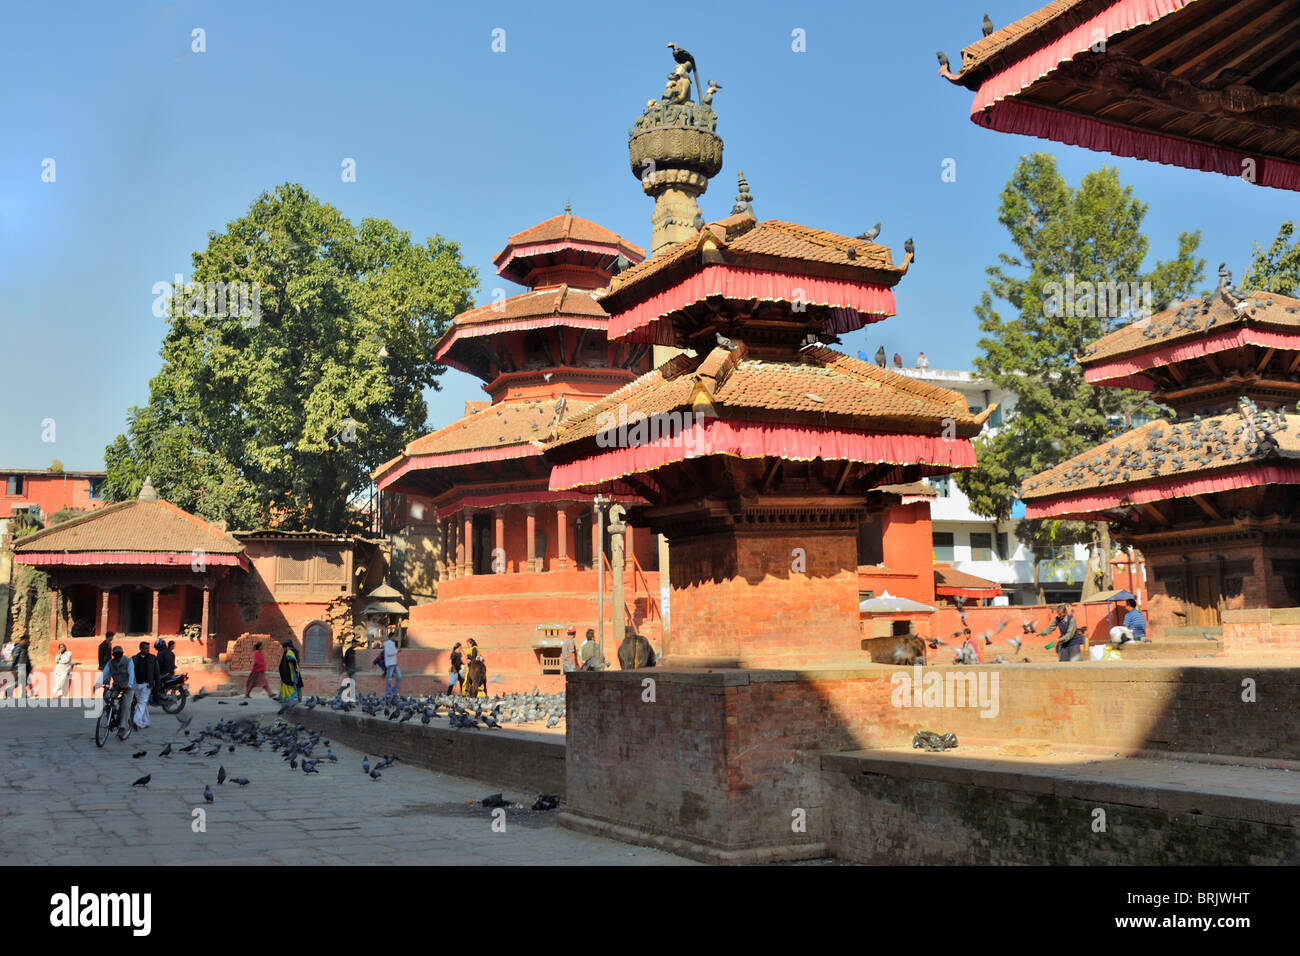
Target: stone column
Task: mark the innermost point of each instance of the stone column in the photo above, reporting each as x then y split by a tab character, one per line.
629	552
154	618
467	553
531	531
499	539
561	537
103	612
617	527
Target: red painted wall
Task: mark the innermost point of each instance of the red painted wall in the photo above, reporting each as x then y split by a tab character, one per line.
52	492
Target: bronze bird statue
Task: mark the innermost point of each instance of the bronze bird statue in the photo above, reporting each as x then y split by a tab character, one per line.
684	57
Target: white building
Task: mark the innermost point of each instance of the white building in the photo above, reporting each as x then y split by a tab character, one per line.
981	546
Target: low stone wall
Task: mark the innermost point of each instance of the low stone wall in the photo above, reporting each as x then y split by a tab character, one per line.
1263	632
716	764
936	809
497	758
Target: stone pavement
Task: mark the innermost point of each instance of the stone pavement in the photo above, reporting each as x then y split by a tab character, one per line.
67	802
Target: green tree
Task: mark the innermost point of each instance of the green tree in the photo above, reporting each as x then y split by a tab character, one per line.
1278	269
274	409
1076	250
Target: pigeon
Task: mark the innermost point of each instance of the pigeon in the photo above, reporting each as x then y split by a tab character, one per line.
495	800
546	802
870	234
207	793
698	221
191	748
309	766
221	775
143	781
243	703
1208	636
365	764
554	719
1015	643
375	775
943	59
242	781
200	695
137	756
725	342
185	721
909	248
166	751
213	752
987	25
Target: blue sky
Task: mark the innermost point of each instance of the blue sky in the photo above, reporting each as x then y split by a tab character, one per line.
155	145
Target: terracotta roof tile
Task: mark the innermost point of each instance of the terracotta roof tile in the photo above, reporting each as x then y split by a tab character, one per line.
1045	20
497	426
133	526
946	577
559	228
1193	319
1158	450
552	300
739	237
843	391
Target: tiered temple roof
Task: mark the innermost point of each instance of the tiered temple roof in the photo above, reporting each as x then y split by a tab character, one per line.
1212	85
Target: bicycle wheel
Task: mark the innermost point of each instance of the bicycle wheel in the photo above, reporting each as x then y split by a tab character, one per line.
102	722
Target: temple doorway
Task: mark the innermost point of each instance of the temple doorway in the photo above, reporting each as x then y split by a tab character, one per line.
1206	604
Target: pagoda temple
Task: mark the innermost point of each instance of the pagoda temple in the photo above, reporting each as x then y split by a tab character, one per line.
1211	498
516	555
754	450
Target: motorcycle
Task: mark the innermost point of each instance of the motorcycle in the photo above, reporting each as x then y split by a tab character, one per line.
172	693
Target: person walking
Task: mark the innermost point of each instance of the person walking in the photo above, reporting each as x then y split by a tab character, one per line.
455	675
569	652
290	675
146	682
7	668
257	675
120	675
105	649
22	664
1069	645
62	671
392	673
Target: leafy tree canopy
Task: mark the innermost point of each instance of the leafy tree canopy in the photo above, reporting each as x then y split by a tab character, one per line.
279	394
1278	269
1074	250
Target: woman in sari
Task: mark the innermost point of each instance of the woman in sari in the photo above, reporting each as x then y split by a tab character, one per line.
290	675
62	670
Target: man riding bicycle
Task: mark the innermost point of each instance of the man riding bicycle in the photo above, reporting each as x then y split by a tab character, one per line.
120	672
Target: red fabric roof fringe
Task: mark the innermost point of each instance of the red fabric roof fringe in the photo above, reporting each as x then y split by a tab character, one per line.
1107	370
746	439
857	303
1078	505
944	591
160	559
452	459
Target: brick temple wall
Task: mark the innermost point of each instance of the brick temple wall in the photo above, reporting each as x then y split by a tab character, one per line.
764	598
1263	632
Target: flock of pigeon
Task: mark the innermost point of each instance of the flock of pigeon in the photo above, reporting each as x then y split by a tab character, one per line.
964	653
462	713
1194	442
297	743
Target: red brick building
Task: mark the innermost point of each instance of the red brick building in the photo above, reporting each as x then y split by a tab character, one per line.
515	553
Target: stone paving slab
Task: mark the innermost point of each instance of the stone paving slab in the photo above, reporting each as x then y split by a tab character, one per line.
68	802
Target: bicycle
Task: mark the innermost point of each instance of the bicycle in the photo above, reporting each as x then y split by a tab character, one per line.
110	717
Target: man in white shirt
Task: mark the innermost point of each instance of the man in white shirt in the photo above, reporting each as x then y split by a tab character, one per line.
392	673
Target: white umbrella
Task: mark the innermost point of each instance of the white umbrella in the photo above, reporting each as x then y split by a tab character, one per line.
887	603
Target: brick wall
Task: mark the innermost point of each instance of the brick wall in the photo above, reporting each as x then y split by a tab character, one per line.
740	597
723	759
239	655
499	759
1263	632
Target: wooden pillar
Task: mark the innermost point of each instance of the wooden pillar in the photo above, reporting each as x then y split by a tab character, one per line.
203	627
561	537
103	612
55	596
499	539
447	553
154	621
467	563
531	532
